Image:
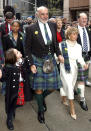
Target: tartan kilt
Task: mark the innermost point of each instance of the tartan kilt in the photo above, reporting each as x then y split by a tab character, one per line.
42	80
82	74
20	99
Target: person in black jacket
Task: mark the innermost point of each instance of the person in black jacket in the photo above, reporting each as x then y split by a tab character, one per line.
41	44
15	38
84	39
5	27
17	92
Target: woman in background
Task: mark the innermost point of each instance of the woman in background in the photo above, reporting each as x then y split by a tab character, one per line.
15	38
60	31
60	34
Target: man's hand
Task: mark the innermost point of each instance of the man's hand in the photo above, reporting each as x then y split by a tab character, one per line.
33	69
61	59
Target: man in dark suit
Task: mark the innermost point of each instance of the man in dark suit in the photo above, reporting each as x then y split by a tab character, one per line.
84	39
5	27
41	44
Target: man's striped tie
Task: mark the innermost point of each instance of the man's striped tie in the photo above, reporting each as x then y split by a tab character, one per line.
85	46
46	34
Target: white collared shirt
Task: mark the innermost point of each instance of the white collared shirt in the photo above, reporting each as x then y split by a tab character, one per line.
9	27
41	25
81	36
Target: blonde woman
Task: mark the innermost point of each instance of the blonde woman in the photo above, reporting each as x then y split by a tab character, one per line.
72	53
60	31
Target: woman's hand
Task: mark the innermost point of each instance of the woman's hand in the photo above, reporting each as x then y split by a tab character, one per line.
61	59
33	69
86	66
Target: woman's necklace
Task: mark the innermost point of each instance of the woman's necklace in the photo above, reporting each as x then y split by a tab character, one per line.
71	43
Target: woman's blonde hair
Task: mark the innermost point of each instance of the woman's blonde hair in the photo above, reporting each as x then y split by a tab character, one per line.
70	30
58	19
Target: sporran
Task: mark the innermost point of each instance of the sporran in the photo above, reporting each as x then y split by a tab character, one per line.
48	66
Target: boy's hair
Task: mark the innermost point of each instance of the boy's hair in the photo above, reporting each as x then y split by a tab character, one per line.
10	57
9	15
9	9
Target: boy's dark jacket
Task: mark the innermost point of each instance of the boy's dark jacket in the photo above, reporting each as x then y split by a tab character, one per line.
11	77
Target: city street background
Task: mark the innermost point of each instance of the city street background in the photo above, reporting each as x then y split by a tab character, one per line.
57	116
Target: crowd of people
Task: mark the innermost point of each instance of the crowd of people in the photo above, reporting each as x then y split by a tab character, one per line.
40	56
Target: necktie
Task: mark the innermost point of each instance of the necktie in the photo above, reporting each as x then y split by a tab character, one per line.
46	34
85	46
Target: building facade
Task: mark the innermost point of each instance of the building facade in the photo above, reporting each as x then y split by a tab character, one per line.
1	7
73	7
28	7
22	7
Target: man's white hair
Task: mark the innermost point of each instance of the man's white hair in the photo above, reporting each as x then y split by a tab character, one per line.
41	8
82	14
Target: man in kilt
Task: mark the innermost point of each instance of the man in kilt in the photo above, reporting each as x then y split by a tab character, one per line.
41	44
84	39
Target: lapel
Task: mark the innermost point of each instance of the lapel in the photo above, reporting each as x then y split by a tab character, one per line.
88	32
52	30
89	36
6	28
12	39
79	39
39	34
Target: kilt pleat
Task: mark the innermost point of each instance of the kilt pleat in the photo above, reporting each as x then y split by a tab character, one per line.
42	80
82	73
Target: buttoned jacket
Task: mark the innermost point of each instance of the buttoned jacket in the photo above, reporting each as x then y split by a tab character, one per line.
35	43
11	76
9	42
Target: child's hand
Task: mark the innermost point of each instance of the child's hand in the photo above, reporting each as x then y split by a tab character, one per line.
0	74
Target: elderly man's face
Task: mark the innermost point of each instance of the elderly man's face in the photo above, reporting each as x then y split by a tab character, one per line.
82	20
43	15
